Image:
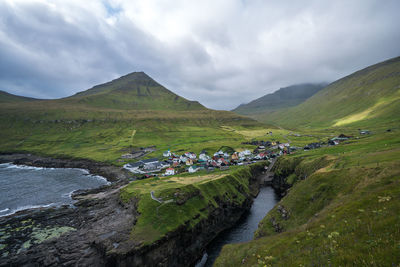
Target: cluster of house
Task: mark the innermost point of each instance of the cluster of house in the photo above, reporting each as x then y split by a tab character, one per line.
190	162
331	142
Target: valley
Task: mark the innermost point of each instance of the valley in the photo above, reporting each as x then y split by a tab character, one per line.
337	166
97	124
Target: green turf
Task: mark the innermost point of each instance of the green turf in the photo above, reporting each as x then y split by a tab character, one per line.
188	198
369	97
10	98
98	123
343	209
344	200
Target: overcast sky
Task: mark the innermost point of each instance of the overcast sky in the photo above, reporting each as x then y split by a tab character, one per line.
219	52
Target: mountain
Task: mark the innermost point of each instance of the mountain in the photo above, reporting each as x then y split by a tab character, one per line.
10	98
106	121
339	199
366	98
135	91
280	99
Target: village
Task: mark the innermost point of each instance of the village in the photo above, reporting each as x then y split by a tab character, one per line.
189	162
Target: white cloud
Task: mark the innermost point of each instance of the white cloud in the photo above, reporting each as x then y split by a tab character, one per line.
220	52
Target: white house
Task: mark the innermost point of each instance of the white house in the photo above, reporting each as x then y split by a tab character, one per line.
167	154
183	159
219	153
169	171
204	157
193	169
245	153
164	164
133	169
190	155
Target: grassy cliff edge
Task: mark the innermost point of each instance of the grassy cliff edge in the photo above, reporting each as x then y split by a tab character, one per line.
341	210
187	199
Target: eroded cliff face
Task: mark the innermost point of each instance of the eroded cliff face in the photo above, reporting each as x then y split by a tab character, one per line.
98	230
99	219
288	170
184	246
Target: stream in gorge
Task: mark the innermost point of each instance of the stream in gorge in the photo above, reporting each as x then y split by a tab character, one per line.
244	229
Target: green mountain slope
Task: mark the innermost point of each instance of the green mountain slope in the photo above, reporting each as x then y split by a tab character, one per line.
369	97
341	208
111	119
10	98
135	91
281	99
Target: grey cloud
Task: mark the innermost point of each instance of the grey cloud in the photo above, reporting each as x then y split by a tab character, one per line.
223	56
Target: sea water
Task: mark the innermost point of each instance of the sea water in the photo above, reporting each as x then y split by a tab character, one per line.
24	187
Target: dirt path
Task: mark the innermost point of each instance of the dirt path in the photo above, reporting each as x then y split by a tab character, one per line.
154	197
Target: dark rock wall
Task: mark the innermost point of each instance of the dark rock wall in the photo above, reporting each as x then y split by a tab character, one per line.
102	222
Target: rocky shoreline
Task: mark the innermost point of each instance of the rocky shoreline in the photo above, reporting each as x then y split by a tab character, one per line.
97	230
110	172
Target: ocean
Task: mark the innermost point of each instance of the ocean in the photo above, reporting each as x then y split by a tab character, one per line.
24	187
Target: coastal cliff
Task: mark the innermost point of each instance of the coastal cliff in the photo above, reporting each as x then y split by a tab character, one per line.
338	210
122	225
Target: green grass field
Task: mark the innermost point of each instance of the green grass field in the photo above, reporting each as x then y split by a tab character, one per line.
344	201
98	123
188	199
107	140
344	213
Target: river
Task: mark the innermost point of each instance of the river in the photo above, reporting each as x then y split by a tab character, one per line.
24	187
244	229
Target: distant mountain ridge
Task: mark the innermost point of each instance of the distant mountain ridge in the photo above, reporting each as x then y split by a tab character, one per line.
10	98
283	98
135	96
134	91
367	98
109	119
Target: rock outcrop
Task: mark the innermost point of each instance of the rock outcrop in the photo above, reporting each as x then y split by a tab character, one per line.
112	173
97	231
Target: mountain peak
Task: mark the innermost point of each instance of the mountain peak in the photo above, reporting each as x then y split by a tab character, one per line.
139	78
134	91
137	75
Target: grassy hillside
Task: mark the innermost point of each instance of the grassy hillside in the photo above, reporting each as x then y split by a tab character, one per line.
135	91
10	98
109	120
188	199
369	97
341	211
281	99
